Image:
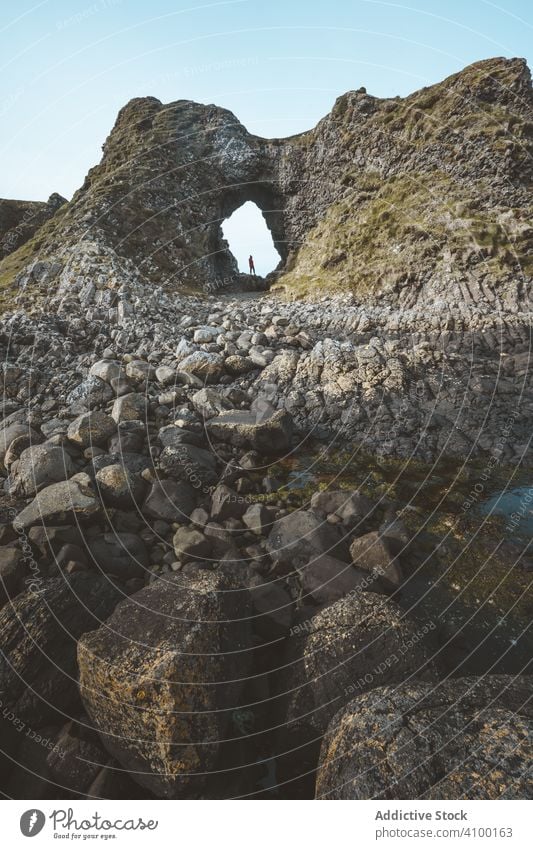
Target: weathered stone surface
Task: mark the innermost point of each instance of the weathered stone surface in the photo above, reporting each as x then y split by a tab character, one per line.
90	429
38	633
326	579
11	432
91	392
210	403
374	553
121	554
247	430
349	647
351	507
56	503
205	365
12	573
161	681
119	487
466	738
172	501
190	463
129	407
39	466
227	504
191	544
107	370
301	536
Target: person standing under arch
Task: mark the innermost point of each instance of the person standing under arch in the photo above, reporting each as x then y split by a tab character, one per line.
251	264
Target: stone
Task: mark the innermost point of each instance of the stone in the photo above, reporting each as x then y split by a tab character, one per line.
239	365
258	519
107	370
191	544
375	554
465	738
227	504
205	365
272	609
118	487
58	502
163	704
189	463
140	372
90	429
245	430
299	537
12	573
91	392
210	403
347	648
351	507
39	466
326	579
76	758
123	555
129	407
172	501
11	432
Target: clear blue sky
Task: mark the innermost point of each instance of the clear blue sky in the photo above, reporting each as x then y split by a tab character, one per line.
67	66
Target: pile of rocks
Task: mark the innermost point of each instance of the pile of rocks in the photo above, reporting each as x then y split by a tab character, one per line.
199	626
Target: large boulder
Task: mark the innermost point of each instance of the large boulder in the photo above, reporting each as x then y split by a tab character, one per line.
130	407
171	501
38	634
246	429
300	537
375	554
347	648
466	738
163	676
189	463
91	392
39	466
11	431
205	365
91	429
56	503
119	487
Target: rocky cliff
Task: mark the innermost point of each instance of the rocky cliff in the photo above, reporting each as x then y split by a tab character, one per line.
398	200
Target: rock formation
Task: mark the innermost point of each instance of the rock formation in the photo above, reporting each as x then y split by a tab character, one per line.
401	200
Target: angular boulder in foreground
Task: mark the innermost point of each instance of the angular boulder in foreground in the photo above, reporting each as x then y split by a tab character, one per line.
466	738
245	429
162	678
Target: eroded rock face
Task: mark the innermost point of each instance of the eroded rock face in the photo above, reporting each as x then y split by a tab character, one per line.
162	678
366	154
468	738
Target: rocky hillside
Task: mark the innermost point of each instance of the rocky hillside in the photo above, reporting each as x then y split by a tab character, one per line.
401	201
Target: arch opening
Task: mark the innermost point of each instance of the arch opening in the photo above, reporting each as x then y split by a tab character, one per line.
246	233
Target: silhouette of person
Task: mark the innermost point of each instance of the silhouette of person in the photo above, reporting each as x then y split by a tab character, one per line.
251	264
